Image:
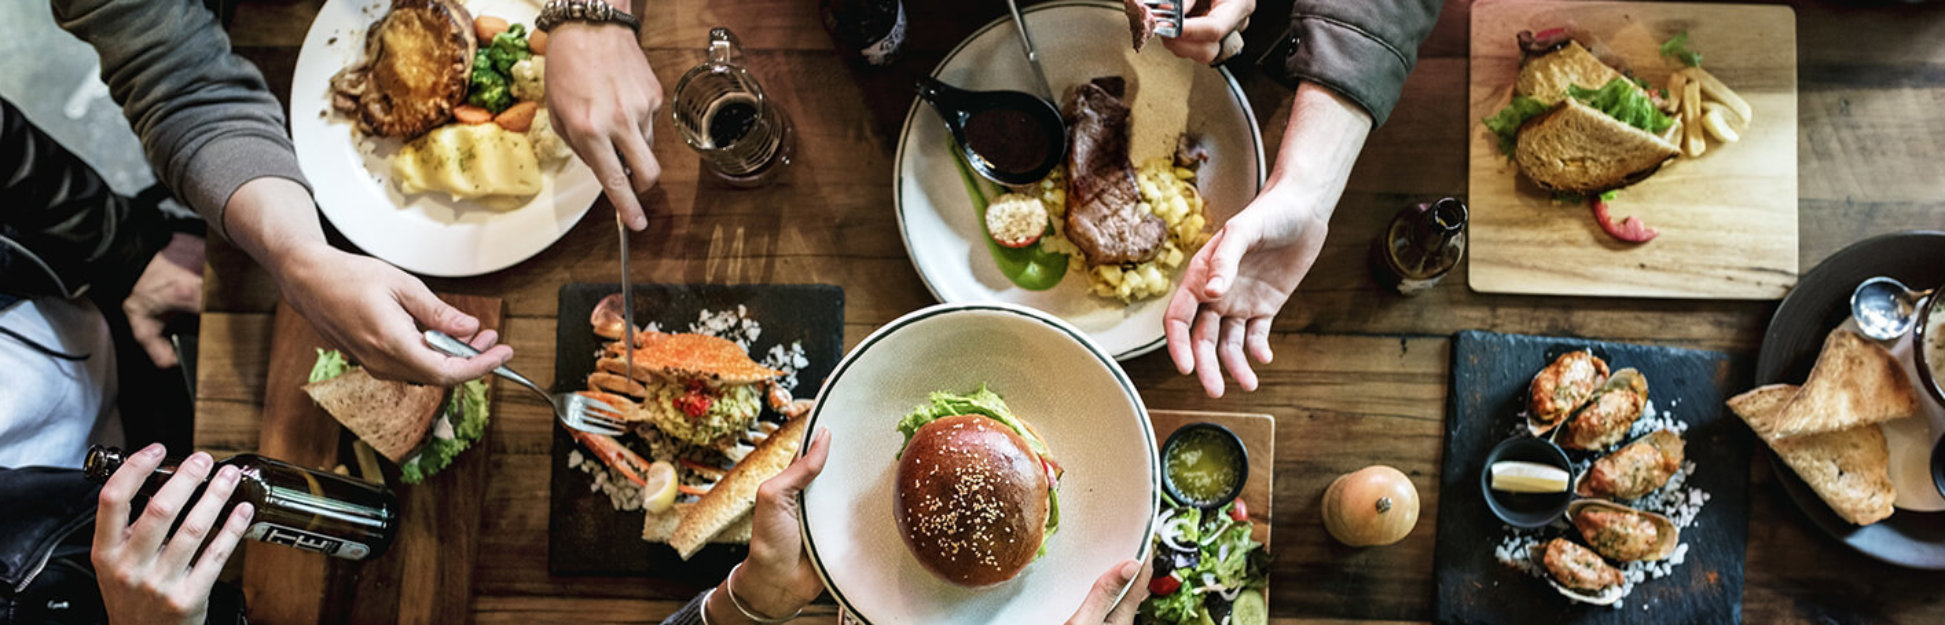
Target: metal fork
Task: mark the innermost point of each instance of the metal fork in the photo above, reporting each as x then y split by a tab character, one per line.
1171	13
575	411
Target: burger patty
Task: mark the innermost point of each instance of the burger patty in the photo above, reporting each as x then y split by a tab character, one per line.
972	500
418	62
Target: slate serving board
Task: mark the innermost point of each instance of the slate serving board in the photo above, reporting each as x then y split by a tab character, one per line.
1490	374
586	535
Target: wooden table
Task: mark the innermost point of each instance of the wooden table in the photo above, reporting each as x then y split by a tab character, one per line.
1360	375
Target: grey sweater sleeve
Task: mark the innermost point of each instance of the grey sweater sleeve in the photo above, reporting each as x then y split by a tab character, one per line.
207	121
1361	49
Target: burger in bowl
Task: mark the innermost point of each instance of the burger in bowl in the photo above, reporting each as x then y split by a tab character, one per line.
976	489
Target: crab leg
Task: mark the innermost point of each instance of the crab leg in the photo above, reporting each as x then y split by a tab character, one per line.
780	400
605	381
617	457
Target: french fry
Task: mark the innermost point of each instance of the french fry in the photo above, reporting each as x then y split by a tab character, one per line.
1719	127
1677	82
1722	93
1728	115
1692	141
1673	134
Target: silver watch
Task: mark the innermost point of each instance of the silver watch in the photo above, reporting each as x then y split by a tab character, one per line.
556	12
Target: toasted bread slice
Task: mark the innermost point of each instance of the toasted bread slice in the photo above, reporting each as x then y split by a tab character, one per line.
1849	469
691	357
1855	382
735	495
392	417
659	528
418	63
1547	77
1578	149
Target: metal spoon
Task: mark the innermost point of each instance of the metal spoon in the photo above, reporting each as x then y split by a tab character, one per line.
1884	307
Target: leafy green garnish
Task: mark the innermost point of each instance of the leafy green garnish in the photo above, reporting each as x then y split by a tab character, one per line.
1031	267
1506	123
1621	100
330	364
465	410
1677	46
1610	194
492	79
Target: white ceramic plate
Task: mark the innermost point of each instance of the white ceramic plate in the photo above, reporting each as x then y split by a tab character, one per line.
427	233
1052	375
1077	41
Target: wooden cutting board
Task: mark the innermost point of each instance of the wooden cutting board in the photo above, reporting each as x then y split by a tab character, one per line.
1728	220
426	576
1258	432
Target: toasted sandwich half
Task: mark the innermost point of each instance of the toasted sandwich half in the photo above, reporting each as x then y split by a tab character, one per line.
422	428
1576	148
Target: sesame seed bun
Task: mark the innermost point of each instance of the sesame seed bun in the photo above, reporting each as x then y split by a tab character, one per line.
972	500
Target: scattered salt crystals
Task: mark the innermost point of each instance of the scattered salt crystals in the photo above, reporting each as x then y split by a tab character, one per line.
789	360
1653	420
622	494
735	325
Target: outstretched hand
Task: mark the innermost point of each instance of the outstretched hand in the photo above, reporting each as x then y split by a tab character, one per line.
171	285
372	310
602	97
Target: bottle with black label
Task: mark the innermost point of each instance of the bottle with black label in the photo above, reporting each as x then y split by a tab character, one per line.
871	29
294	506
1422	244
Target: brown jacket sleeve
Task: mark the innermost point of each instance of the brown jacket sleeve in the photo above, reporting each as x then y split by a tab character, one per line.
1362	49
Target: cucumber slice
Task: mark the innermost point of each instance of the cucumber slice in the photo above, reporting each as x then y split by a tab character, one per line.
1250	609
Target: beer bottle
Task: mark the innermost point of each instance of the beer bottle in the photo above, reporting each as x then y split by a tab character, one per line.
871	29
294	506
1422	244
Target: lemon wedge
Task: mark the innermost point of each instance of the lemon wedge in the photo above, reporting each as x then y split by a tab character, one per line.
1516	476
658	495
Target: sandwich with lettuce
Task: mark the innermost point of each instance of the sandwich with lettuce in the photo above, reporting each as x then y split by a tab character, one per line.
422	428
1578	126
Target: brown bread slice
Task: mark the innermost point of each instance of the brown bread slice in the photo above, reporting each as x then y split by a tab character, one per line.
392	417
1576	148
735	495
1855	382
1850	469
1546	78
658	528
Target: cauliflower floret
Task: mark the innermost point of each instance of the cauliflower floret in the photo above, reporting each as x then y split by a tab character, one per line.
529	79
547	145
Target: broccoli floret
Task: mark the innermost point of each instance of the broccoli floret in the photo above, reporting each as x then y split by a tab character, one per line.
489	89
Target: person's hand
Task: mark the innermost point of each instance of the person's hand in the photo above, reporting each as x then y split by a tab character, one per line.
1236	283
1203	31
171	285
777	579
147	575
369	308
602	97
1099	607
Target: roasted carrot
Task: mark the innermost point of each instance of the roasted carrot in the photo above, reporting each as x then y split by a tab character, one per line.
469	114
488	27
537	42
519	117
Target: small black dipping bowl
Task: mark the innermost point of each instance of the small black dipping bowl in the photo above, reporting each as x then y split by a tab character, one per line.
1215	432
1528	510
1938	466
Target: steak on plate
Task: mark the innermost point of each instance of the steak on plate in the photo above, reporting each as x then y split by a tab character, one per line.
1103	216
418	61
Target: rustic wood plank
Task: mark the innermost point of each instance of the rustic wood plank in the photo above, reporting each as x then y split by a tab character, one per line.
284	585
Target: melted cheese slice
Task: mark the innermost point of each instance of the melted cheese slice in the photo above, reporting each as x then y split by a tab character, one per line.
468	161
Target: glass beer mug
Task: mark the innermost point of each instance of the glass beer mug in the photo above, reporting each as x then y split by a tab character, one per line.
723	115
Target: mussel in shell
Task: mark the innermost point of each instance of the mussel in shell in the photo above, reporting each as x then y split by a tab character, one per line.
1621	533
1562	387
1607	417
1581	574
1635	469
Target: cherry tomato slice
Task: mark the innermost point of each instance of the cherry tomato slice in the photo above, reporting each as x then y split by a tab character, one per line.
1164	586
1240	512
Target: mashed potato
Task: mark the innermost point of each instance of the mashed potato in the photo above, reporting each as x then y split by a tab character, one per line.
468	161
1167	192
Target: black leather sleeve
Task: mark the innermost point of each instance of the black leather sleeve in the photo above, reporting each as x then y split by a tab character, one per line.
63	231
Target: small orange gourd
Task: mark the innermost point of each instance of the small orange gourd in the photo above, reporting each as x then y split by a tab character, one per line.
1375	505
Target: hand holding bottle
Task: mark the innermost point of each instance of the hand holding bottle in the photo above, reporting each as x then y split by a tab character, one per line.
148	575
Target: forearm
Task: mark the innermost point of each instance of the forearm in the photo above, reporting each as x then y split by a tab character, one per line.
1321	143
274	220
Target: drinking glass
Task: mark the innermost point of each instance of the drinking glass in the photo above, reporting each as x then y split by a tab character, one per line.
721	111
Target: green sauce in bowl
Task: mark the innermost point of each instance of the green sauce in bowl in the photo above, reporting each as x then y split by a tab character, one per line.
1204	465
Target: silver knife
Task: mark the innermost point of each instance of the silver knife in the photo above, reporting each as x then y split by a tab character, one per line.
627	300
1033	58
